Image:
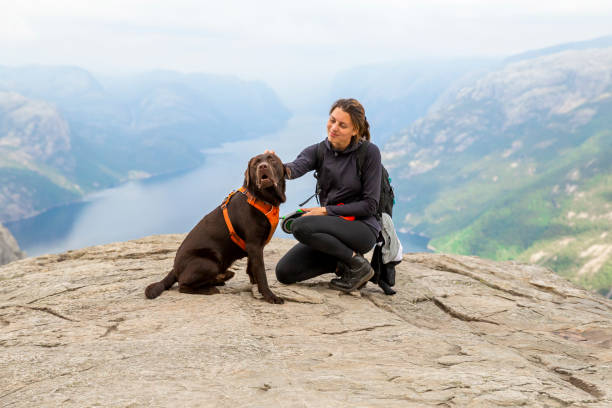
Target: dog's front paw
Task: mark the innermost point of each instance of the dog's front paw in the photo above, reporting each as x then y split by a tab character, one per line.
272	298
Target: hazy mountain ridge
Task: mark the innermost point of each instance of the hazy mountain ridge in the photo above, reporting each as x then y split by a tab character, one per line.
64	133
396	94
503	169
32	130
35	157
601	42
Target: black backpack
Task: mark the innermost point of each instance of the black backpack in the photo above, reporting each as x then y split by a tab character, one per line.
384	274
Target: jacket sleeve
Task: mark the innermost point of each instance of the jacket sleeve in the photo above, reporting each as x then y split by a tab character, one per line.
371	175
304	163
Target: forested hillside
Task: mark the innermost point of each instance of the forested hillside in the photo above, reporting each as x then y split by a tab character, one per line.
517	164
64	133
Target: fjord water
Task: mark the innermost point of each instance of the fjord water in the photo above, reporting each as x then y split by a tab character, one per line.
174	203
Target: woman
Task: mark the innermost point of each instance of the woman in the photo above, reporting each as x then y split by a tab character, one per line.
327	242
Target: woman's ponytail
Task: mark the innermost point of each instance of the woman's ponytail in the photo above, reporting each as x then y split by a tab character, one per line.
365	134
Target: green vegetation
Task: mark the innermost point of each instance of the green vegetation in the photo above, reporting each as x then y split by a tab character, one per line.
529	219
38	191
538	191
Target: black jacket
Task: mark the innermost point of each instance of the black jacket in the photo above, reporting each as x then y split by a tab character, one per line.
340	182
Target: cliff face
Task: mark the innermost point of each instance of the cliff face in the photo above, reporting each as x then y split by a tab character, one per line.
64	133
461	331
514	164
35	157
9	249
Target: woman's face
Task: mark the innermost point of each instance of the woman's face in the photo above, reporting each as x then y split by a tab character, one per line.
340	129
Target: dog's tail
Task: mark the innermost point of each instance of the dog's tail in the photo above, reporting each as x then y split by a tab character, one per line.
155	289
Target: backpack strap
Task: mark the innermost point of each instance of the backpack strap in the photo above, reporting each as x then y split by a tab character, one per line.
317	173
362	151
319	163
320	153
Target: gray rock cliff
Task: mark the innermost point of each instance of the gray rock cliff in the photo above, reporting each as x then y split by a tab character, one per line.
76	330
9	249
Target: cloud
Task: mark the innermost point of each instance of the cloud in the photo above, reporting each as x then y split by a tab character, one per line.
272	39
15	30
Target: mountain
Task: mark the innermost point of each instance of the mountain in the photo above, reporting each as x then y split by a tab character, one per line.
461	331
9	249
36	158
396	94
64	132
602	42
516	165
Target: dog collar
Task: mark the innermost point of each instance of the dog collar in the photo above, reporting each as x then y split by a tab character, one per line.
267	209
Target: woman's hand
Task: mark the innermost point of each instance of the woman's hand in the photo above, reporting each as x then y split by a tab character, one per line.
314	211
268	151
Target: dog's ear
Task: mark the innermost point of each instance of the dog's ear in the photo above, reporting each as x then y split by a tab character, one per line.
280	190
247	174
280	184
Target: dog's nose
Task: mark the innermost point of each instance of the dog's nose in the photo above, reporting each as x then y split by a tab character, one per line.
263	165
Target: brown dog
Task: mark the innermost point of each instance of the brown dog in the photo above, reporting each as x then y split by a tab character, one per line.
207	252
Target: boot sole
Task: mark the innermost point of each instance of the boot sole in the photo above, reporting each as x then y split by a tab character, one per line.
359	284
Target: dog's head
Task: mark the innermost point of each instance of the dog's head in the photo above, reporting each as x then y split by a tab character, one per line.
265	178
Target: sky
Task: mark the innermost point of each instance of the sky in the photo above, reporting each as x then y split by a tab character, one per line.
284	43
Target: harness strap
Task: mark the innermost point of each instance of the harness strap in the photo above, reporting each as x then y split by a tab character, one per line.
267	209
233	235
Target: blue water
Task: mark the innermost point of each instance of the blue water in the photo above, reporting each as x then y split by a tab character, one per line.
173	203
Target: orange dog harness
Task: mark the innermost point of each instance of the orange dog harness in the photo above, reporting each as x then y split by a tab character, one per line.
270	211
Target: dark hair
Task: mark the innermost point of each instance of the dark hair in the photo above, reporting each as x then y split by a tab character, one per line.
357	114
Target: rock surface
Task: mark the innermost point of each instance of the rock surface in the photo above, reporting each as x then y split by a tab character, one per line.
9	249
76	330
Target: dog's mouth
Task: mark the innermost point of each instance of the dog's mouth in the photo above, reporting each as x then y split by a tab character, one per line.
265	181
264	177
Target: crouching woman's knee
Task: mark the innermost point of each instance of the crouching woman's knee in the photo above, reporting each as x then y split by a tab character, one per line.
301	229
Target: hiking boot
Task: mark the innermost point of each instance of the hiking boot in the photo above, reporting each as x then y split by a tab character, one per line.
356	275
341	269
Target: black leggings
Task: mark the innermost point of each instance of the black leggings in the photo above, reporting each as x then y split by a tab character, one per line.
323	241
